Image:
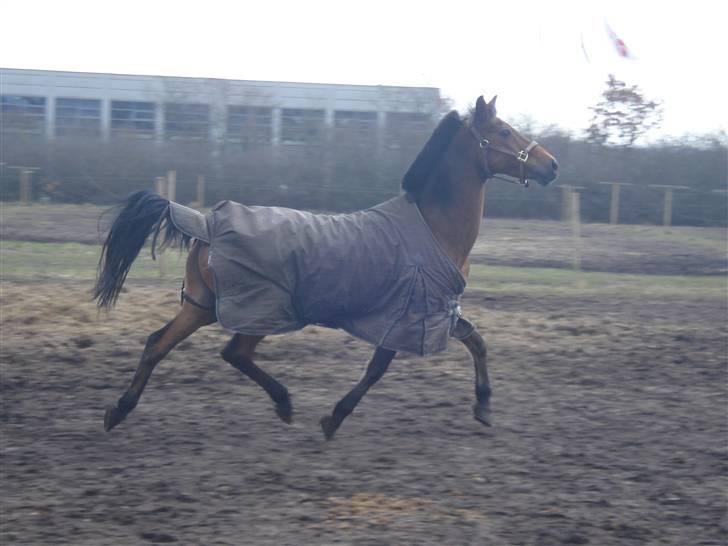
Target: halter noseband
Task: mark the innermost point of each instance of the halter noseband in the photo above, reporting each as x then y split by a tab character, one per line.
521	156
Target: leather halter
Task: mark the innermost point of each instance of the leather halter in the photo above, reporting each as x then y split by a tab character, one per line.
521	156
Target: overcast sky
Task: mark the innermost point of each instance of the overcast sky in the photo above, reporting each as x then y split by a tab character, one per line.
528	52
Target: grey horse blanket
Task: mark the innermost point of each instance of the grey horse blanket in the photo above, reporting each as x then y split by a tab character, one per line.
378	274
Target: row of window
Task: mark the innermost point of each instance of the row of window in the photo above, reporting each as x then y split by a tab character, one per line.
245	124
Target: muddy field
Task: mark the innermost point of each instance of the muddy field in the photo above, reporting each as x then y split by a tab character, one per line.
610	423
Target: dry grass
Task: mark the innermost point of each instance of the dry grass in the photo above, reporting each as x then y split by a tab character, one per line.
66	308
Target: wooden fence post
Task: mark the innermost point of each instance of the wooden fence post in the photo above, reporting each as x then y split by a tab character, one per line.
25	194
667	205
614	200
161	186
567	201
200	191
667	208
575	206
25	187
614	205
171	185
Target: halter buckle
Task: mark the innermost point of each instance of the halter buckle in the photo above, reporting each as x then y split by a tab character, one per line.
484	143
522	156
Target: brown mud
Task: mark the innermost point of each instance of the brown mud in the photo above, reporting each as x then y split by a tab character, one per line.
609	428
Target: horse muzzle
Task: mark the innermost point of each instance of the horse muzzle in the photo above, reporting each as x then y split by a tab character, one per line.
547	174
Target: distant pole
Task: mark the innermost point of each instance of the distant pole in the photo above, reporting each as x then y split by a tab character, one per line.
614	205
576	227
25	188
567	201
200	191
160	185
667	209
171	185
614	201
25	194
667	206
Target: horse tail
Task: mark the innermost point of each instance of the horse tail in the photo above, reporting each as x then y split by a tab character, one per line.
142	214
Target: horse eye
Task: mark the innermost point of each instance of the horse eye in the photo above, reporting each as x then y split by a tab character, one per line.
505	133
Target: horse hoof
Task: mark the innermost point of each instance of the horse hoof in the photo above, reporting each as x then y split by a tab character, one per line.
112	417
327	425
482	414
285	412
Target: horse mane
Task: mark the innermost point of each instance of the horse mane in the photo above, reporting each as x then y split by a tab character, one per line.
416	177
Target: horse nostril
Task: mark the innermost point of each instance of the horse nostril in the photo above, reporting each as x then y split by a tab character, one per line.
554	165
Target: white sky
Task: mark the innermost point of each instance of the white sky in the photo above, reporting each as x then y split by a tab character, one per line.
526	51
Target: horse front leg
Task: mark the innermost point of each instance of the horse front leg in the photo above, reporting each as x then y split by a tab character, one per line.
466	332
374	372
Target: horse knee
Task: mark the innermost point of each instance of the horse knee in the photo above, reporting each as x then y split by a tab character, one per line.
463	329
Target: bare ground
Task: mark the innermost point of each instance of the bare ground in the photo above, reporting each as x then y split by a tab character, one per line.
609	428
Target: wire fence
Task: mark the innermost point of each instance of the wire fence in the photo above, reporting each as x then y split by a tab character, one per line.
636	204
679	185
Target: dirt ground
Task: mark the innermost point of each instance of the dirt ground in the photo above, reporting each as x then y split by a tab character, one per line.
610	425
610	428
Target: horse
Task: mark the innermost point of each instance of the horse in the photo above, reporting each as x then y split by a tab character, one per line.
442	201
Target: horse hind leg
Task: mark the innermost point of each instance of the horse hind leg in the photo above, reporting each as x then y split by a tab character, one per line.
190	318
158	345
239	354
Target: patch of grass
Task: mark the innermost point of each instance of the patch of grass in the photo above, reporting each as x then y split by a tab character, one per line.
708	238
28	260
565	282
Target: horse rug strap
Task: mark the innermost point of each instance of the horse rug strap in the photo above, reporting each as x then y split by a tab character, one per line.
378	274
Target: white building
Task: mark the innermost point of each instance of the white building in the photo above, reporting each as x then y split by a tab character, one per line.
55	104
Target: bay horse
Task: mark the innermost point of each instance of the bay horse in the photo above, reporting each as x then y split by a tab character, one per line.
444	191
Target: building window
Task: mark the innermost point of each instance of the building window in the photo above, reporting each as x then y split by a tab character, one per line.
302	126
355	128
132	118
407	128
249	124
78	117
22	114
186	121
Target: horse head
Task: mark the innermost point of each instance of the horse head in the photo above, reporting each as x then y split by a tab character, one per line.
503	150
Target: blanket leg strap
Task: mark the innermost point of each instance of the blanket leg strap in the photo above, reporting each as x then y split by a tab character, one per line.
184	297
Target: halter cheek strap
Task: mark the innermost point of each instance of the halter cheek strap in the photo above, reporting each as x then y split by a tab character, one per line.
521	156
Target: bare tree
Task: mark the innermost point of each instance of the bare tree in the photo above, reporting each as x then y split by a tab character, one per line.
623	115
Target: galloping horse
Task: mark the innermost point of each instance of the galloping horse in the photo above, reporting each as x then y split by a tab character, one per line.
400	297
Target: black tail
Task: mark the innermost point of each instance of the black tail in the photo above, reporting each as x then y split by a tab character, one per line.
142	213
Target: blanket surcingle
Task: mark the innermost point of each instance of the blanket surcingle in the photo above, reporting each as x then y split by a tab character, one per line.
378	274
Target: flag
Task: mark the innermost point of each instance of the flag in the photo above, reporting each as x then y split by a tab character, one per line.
619	45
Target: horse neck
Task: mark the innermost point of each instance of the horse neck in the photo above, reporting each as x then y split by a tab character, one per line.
455	221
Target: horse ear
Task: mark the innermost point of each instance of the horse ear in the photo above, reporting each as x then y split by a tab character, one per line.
484	112
491	104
